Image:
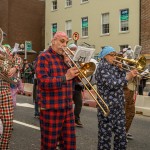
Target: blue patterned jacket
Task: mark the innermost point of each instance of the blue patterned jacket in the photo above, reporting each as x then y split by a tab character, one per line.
110	82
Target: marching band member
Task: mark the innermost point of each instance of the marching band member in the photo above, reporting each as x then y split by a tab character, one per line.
129	96
55	86
110	82
6	102
18	86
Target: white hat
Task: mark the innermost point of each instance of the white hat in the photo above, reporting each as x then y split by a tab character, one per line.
72	46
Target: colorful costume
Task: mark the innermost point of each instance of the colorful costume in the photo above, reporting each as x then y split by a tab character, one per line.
110	83
6	104
55	101
129	107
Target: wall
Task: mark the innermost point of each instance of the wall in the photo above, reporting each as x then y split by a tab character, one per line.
145	28
93	9
23	21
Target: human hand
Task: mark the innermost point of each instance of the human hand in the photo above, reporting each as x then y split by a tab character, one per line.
71	73
133	73
12	71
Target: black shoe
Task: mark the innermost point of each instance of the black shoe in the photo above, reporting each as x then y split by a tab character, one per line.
78	123
36	116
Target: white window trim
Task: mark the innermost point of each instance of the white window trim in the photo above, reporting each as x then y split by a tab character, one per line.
52	6
52	29
66	4
104	34
66	28
81	28
122	32
84	2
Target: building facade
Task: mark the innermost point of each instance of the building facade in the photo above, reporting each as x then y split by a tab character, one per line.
99	23
145	29
23	21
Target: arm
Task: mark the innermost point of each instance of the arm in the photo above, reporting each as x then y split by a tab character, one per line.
48	77
16	67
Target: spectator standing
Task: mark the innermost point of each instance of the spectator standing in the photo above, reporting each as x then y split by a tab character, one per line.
28	73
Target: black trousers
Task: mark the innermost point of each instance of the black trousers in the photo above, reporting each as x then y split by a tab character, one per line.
77	98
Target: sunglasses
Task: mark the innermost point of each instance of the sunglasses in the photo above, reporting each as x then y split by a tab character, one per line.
113	54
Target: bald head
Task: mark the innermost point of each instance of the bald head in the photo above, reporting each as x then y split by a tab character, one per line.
60	34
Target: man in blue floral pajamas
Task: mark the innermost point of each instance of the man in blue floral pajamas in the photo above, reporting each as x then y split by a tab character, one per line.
110	82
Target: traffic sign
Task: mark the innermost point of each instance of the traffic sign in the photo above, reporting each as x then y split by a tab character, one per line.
75	36
28	45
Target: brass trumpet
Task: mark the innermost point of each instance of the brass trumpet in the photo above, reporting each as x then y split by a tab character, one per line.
86	70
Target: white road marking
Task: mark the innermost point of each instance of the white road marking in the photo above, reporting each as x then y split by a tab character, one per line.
27	125
25	105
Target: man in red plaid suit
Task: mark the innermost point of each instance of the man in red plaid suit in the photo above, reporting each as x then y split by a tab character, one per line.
55	87
6	102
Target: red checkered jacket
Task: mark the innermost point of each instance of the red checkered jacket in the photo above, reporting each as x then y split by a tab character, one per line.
53	93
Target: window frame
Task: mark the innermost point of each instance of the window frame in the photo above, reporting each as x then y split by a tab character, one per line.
107	25
54	7
84	1
68	30
53	33
86	28
121	47
124	24
67	3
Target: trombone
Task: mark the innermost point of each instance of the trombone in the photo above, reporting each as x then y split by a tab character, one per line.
86	70
139	64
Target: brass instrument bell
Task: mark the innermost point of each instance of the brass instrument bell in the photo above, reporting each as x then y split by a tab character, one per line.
87	69
139	64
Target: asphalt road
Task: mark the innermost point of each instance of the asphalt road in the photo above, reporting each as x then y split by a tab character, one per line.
26	133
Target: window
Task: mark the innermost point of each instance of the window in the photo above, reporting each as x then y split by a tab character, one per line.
123	46
124	20
68	3
105	23
85	26
69	28
82	1
54	29
54	4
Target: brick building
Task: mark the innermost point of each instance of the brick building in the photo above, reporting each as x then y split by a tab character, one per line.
145	28
23	20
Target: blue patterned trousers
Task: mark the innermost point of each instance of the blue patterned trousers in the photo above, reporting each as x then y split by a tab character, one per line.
114	123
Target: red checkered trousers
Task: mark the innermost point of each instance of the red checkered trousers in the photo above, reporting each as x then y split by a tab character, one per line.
54	123
6	114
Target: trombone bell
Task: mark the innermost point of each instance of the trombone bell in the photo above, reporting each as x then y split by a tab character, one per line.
87	69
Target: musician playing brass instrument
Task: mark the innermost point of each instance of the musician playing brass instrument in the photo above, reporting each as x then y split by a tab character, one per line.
6	102
110	82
